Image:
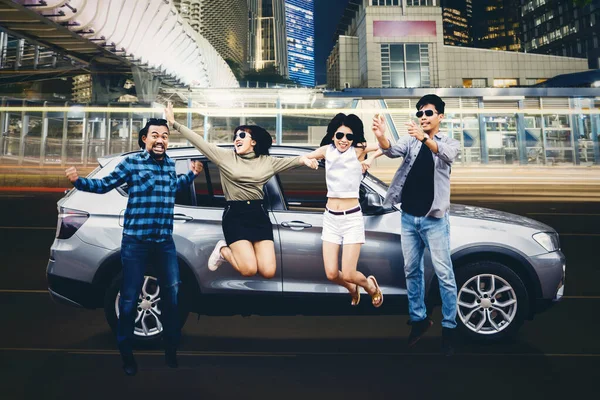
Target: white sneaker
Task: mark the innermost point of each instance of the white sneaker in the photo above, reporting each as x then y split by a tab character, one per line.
216	259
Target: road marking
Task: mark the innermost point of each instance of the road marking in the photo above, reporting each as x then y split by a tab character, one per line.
29	227
579	234
291	354
566	214
22	291
33	189
25	291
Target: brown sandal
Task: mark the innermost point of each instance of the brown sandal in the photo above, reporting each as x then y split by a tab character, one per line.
377	298
355	296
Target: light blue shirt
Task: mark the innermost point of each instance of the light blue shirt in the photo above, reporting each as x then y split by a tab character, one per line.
409	147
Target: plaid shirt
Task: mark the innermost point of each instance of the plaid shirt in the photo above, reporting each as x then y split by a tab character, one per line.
152	187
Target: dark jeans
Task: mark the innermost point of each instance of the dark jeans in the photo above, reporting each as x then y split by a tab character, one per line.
136	255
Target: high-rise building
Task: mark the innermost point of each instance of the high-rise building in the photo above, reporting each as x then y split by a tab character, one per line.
190	12
223	23
561	27
399	44
268	48
300	32
497	25
457	17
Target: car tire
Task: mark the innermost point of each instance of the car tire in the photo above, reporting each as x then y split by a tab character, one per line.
154	332
492	301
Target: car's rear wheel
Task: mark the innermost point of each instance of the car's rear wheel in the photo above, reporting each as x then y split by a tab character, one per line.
492	301
148	321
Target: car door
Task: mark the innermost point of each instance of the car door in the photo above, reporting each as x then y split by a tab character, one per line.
300	220
197	228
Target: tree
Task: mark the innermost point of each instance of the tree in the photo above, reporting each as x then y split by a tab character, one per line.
582	3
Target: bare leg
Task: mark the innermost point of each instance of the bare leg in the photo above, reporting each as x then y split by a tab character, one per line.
330	260
265	258
241	256
350	255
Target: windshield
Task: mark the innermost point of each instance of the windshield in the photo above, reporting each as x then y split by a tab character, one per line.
376	184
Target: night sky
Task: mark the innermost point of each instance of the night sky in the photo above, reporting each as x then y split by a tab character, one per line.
327	17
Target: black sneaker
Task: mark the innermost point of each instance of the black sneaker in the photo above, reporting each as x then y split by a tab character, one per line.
129	364
448	341
171	358
418	330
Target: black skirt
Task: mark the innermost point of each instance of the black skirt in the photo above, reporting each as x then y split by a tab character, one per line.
246	220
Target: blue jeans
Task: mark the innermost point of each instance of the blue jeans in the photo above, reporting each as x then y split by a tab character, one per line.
136	256
433	233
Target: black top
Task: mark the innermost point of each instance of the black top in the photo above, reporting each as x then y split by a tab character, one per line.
417	195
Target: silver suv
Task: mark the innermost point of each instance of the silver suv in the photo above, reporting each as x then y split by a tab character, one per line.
507	267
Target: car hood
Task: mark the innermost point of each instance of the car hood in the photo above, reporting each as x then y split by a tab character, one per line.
459	210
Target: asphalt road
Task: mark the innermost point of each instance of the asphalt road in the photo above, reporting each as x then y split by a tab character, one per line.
52	351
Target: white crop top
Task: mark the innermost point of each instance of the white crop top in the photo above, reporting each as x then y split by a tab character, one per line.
343	173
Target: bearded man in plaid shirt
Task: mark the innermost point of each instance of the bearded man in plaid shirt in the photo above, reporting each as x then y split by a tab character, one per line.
147	234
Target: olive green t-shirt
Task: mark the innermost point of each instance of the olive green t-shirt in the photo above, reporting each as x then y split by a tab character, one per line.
242	175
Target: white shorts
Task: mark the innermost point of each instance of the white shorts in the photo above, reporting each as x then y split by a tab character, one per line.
343	229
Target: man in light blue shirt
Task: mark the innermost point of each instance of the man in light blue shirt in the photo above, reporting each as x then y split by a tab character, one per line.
422	186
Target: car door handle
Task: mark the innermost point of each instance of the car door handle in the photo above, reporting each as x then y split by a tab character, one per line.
296	225
182	217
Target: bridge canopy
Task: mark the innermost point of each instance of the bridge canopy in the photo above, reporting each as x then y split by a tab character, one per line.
149	34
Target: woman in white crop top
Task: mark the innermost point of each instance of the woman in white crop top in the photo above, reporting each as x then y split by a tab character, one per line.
344	148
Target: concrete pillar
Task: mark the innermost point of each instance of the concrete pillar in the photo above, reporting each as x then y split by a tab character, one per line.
596	137
482	135
24	132
278	123
65	137
86	139
3	121
521	137
44	135
146	85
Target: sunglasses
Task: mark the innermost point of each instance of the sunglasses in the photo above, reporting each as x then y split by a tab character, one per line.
340	135
428	113
241	135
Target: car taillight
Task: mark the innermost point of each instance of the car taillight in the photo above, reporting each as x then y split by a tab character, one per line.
69	221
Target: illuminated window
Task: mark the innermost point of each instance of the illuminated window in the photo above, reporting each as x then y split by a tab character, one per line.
475	83
405	65
506	82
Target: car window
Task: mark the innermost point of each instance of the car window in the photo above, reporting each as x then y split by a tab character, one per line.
207	187
304	189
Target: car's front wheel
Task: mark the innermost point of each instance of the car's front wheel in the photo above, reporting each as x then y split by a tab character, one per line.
148	328
492	300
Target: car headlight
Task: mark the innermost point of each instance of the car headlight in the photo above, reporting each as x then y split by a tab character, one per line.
548	240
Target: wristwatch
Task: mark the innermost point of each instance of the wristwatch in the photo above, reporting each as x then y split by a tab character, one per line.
424	139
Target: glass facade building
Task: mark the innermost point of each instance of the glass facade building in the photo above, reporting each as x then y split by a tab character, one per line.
562	28
300	31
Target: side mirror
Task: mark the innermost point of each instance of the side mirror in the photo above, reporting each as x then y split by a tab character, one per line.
373	204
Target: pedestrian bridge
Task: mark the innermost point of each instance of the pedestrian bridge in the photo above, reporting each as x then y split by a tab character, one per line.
509	126
147	37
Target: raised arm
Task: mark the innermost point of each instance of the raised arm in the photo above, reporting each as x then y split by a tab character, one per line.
318	154
379	132
106	184
287	163
366	164
397	150
211	151
186	179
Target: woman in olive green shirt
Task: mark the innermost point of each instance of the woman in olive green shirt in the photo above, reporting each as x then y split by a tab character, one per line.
248	244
